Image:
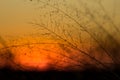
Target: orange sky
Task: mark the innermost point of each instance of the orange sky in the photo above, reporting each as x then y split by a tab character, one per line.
15	29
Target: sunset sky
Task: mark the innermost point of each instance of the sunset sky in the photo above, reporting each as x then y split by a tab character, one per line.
16	28
15	15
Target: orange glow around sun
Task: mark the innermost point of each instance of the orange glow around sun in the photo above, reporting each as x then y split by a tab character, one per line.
41	56
44	54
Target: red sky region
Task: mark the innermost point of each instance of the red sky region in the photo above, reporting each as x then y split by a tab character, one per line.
44	55
39	56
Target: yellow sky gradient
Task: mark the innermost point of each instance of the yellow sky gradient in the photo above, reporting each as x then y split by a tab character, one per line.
16	28
15	14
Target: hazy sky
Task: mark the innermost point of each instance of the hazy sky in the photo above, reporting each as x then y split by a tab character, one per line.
15	15
62	19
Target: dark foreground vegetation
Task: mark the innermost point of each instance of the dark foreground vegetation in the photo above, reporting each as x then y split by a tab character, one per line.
91	74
